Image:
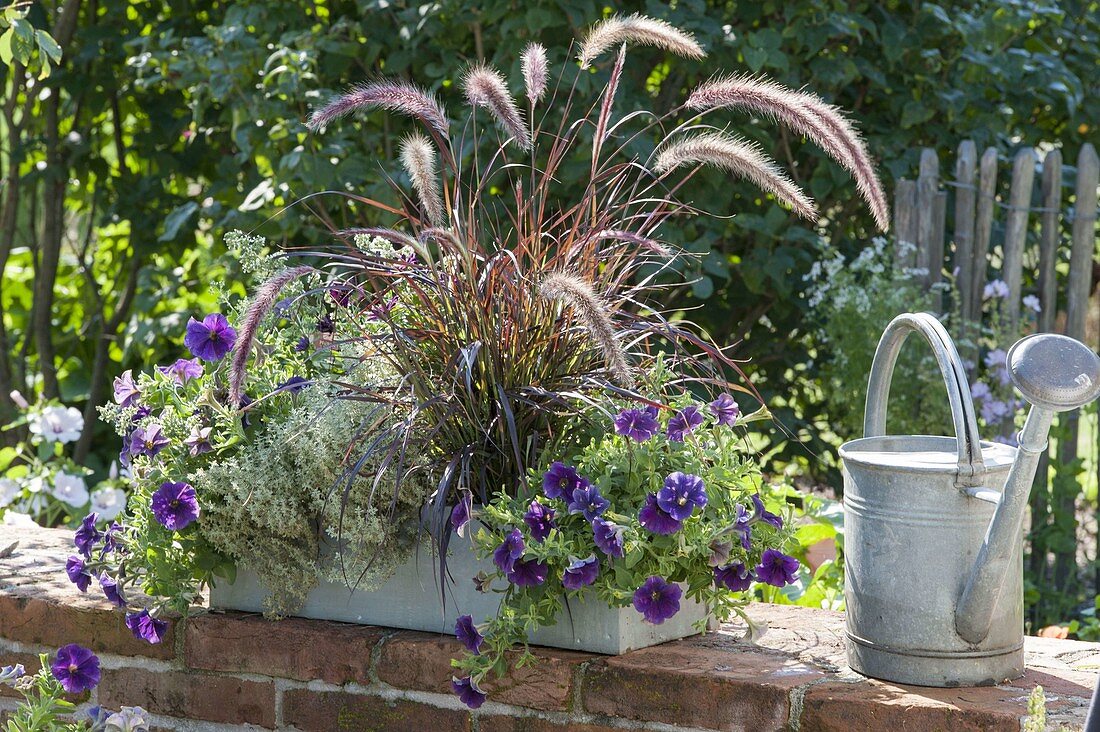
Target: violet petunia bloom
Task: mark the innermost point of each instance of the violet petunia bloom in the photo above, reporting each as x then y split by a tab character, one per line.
175	505
581	572
762	514
148	440
11	674
776	568
539	519
684	423
735	576
210	339
78	573
183	370
468	691
681	494
198	442
87	535
608	537
725	409
460	514
657	600
637	424
126	391
111	590
560	481
511	549
743	526
467	632
112	540
294	384
76	668
587	500
302	345
146	627
527	573
655	520
325	324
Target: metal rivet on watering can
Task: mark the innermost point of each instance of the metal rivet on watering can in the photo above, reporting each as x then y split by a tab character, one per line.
933	545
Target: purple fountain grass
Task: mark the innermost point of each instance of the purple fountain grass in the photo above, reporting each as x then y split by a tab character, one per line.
395	96
592	312
535	71
418	158
640	30
741	158
262	303
807	115
485	87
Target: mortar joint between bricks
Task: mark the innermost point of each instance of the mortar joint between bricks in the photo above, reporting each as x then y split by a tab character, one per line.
797	698
577	702
376	656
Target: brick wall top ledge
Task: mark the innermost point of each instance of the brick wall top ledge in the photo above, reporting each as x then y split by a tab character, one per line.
234	671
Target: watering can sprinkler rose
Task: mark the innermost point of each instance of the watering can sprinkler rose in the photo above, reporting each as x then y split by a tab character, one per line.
934	525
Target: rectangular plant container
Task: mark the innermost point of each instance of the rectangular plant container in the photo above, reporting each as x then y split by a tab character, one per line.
410	600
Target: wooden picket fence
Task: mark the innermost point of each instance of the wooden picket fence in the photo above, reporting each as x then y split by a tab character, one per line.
1037	230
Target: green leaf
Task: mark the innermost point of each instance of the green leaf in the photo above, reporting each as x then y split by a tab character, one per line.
5	46
22	42
755	58
174	221
47	46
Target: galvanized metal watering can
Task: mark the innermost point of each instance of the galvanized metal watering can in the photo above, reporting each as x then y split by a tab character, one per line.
933	525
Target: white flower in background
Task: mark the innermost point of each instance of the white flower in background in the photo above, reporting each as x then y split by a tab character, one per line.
995	289
70	489
14	518
108	502
9	489
19	400
36	484
1031	302
58	424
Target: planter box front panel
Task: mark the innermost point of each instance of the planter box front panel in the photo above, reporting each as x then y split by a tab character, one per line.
410	600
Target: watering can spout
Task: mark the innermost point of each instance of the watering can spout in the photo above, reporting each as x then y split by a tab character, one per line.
1055	374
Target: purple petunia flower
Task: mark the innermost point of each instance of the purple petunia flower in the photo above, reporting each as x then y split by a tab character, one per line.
776	568
341	295
725	409
466	632
147	440
111	539
505	555
126	391
325	324
527	573
735	576
183	370
175	505
198	442
468	691
637	424
655	520
76	668
211	339
657	600
111	590
684	423
78	573
294	384
743	526
581	572
560	481
681	494
87	535
762	514
460	514
146	627
302	344
587	500
539	519
11	674
608	537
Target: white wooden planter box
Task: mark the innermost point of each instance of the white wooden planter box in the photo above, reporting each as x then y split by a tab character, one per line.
410	599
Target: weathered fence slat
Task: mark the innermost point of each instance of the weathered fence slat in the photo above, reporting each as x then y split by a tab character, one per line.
1019	201
928	184
1048	239
983	228
965	174
905	224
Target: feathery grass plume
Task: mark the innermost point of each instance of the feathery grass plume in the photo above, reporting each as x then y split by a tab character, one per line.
592	312
395	96
605	106
534	65
629	236
741	158
805	114
418	158
636	29
485	87
262	302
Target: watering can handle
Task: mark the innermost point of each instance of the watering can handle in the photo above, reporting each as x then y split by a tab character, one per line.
971	466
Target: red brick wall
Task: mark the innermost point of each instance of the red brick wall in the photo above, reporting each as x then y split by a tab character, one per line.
220	672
